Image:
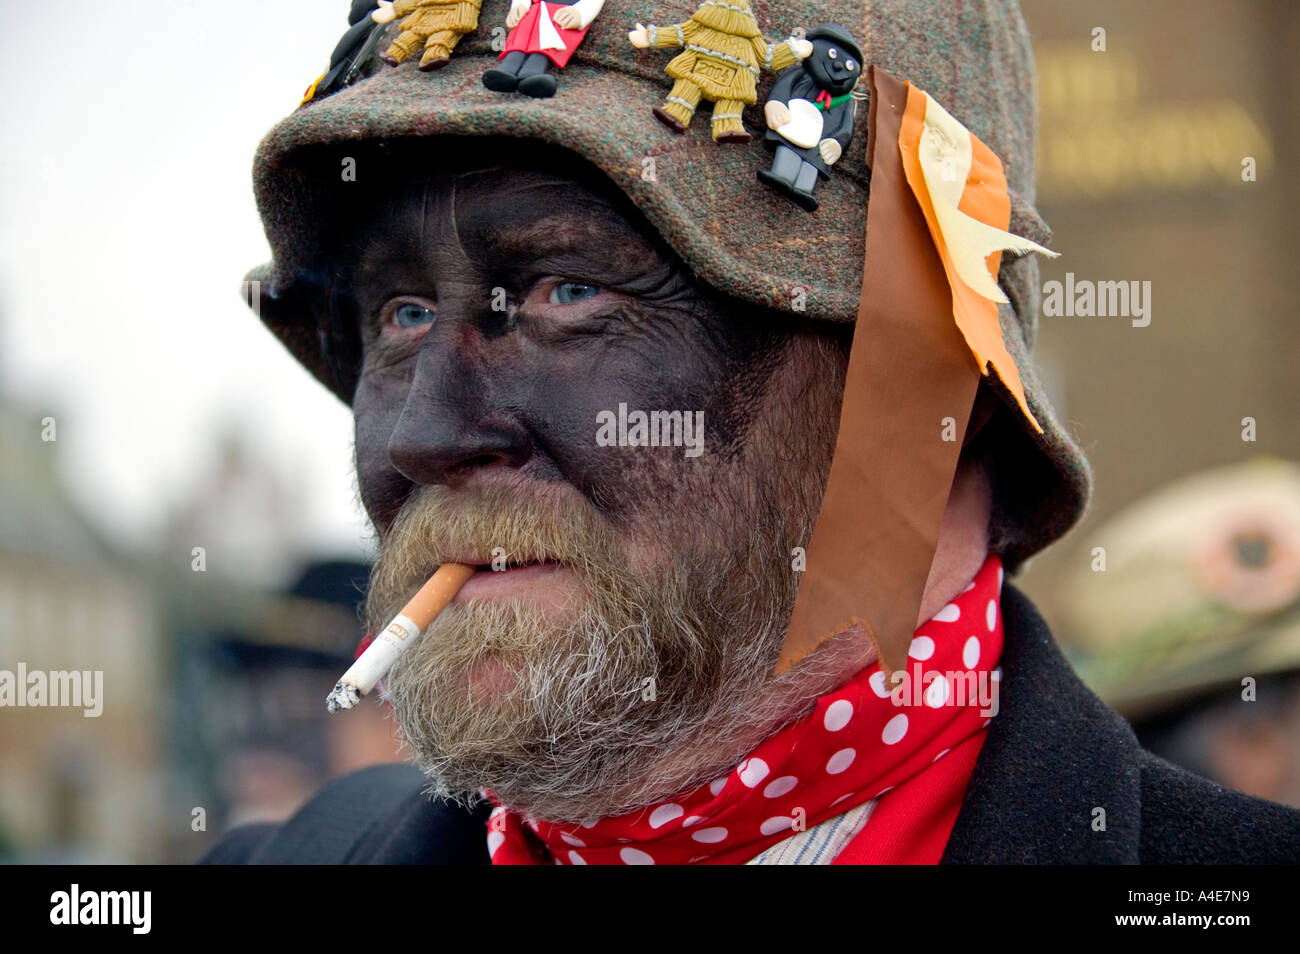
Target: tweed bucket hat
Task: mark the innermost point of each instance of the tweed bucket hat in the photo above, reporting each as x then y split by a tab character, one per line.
745	241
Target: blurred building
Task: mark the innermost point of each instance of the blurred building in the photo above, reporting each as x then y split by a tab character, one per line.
74	788
241	512
214	675
1144	176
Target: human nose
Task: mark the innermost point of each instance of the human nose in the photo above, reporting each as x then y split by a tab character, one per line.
454	421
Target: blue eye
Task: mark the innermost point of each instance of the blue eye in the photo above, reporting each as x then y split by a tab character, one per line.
566	293
412	315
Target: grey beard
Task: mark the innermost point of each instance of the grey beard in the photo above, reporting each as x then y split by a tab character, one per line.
601	704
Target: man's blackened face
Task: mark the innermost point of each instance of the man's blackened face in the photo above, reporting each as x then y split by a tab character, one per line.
514	321
502	311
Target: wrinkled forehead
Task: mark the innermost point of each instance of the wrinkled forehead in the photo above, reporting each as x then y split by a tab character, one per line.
494	204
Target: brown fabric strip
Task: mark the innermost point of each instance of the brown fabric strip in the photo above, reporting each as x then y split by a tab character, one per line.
909	368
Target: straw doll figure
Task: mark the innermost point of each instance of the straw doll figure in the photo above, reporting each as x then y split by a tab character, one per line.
435	26
723	53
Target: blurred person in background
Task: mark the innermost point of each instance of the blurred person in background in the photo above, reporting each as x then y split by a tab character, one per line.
1186	619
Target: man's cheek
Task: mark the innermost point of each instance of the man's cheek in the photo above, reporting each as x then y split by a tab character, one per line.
587	419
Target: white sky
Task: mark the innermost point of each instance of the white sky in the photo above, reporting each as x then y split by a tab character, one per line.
126	224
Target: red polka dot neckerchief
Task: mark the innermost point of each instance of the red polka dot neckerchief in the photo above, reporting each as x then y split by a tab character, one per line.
856	746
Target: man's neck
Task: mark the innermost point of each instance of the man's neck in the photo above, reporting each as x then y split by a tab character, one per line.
963	540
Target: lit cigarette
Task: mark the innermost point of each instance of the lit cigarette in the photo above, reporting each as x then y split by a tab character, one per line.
383	652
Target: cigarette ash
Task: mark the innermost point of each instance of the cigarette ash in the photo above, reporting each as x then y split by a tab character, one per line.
342	696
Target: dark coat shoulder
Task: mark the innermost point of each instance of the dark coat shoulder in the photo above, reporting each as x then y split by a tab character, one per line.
377	815
1187	819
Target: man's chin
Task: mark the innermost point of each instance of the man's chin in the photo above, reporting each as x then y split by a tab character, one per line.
505	695
490	682
565	712
473	664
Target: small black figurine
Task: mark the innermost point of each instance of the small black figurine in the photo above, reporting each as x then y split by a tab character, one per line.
809	114
349	54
